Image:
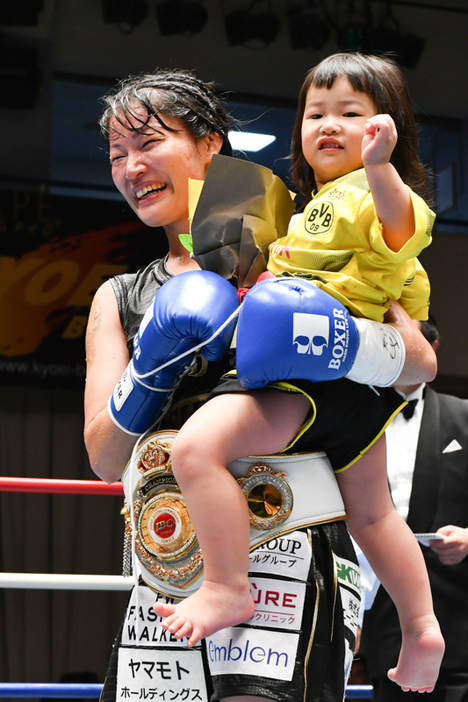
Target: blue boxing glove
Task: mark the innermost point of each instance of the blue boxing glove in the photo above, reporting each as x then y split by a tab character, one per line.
193	310
289	328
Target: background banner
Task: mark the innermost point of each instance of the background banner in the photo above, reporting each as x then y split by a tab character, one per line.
54	254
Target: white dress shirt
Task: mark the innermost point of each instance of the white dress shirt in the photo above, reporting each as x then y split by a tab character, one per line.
402	437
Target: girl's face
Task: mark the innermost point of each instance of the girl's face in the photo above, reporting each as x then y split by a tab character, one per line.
333	129
151	170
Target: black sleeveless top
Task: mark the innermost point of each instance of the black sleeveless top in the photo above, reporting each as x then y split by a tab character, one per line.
134	293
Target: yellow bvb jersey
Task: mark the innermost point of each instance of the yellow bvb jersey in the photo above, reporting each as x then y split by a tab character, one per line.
337	243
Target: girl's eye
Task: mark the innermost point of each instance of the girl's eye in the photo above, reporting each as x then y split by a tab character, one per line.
315	116
351	114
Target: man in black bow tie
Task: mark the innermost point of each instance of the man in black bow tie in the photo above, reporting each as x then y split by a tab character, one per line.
427	463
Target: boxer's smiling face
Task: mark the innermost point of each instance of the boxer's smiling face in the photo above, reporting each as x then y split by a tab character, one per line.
151	166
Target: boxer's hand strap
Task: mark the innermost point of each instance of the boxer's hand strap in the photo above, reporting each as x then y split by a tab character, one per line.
136	407
381	354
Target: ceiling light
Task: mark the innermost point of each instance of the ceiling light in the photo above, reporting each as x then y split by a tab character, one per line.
356	33
387	32
20	76
21	13
247	27
249	141
186	17
131	12
307	29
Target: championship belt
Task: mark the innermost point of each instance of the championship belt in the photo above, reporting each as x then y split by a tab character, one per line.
283	493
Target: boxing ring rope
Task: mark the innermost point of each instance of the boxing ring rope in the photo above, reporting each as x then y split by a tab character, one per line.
56	581
64	487
82	690
93	690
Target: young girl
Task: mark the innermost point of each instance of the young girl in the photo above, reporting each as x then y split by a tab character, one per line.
354	120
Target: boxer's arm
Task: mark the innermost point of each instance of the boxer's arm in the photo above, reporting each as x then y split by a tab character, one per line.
107	356
421	361
289	328
196	309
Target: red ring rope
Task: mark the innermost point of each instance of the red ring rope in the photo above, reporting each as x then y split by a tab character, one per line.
73	487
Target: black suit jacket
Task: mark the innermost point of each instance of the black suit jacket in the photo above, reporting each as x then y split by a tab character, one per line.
439	497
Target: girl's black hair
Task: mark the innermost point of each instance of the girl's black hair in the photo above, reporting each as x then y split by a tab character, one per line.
381	79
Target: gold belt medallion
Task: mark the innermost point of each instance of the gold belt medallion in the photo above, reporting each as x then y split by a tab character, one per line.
268	496
165	540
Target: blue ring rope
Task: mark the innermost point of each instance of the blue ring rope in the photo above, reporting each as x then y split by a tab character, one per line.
88	690
93	690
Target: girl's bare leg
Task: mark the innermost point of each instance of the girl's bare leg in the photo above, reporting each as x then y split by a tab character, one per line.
396	558
226	428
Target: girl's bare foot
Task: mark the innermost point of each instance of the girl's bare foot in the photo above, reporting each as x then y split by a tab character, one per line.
419	661
211	608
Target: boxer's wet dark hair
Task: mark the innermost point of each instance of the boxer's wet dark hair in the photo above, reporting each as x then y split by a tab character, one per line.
166	93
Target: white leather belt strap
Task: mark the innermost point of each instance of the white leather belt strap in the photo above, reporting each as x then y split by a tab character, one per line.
284	493
287	492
